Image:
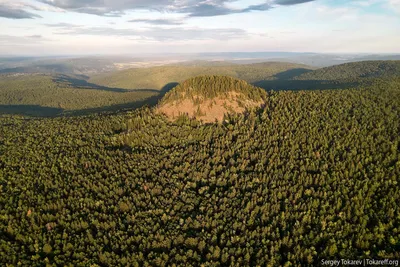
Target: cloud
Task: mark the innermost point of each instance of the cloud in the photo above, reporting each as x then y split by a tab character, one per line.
395	5
14	12
62	25
291	2
158	21
35	36
218	8
208	10
107	7
365	3
11	40
158	33
193	8
260	7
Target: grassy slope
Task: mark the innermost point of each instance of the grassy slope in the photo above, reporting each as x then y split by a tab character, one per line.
158	77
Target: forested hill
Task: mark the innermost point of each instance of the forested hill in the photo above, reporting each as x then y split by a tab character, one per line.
213	86
209	98
158	77
353	71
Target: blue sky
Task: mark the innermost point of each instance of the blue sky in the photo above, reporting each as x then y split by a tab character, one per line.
82	27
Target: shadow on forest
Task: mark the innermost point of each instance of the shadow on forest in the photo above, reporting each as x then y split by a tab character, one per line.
40	111
168	87
83	84
297	85
30	110
285	81
290	74
151	102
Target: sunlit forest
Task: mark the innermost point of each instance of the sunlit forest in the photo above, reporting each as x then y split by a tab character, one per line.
157	77
54	95
310	175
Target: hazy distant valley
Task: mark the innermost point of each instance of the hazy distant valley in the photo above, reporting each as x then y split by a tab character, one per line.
91	65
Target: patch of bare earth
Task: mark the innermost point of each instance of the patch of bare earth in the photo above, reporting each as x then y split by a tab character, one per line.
208	110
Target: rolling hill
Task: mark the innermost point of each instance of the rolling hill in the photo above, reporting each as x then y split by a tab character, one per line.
355	70
83	65
50	95
59	94
158	77
209	98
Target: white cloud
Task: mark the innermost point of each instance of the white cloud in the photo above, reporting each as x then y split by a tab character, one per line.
319	26
160	34
395	5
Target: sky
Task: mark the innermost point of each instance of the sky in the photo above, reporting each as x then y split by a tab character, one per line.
112	27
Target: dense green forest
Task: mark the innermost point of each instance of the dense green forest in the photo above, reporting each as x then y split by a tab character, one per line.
313	175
